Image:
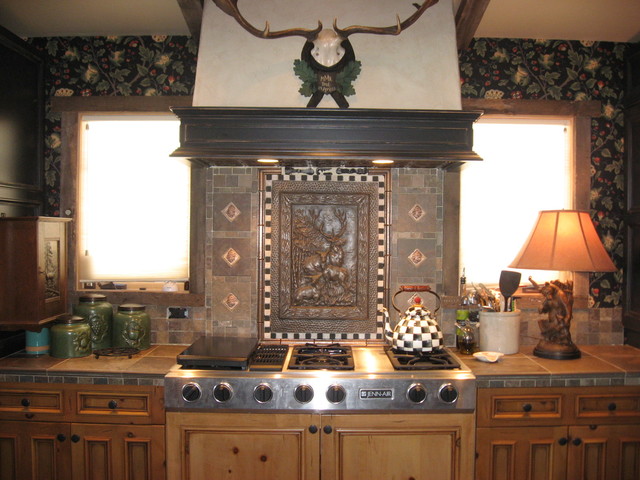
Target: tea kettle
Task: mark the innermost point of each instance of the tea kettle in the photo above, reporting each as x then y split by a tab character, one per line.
417	331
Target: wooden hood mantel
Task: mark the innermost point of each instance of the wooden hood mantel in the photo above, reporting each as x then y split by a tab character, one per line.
326	137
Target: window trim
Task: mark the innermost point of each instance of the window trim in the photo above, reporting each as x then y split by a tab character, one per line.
71	110
579	114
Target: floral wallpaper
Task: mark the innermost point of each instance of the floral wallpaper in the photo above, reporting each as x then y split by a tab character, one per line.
573	71
88	66
489	68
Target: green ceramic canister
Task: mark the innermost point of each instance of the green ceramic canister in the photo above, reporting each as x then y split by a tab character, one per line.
70	337
99	313
131	327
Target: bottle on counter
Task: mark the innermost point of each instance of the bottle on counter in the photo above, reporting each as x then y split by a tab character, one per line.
70	337
99	314
131	327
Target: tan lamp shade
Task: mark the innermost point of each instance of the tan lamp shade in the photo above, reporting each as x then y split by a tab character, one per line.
564	240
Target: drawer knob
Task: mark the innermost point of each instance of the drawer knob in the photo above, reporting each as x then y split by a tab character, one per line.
563	441
113	404
313	429
61	437
527	407
577	441
25	402
75	438
612	406
327	429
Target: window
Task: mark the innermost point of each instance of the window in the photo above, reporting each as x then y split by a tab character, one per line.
527	167
134	200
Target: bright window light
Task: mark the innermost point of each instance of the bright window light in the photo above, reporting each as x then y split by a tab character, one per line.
134	200
526	168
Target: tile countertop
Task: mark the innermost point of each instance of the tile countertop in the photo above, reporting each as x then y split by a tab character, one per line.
145	368
600	365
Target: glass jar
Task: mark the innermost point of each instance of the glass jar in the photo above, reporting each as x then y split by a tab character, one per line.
131	327
70	337
99	313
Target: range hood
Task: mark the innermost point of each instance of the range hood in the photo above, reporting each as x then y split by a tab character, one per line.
303	137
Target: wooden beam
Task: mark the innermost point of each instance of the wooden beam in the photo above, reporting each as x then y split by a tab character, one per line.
561	108
192	13
117	103
468	17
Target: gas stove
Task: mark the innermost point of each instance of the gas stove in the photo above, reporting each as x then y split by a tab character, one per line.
327	377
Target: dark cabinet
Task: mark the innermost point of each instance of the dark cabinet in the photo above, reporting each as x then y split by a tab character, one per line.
631	318
33	271
22	127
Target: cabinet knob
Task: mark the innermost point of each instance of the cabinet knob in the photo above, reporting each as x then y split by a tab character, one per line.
563	441
327	429
576	441
61	437
527	407
25	402
313	429
75	438
612	406
112	404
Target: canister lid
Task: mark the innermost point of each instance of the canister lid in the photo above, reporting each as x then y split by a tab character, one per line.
131	307
93	298
69	319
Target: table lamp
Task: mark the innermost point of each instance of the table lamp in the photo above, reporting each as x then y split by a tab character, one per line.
561	240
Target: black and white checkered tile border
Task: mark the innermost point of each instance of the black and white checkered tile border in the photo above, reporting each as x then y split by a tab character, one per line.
328	175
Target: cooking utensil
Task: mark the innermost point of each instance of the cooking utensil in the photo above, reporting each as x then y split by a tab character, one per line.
417	331
509	283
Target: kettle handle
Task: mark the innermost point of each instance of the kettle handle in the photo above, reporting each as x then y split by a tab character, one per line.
415	288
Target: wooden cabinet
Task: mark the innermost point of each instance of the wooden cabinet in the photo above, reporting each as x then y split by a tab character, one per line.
312	446
33	271
631	316
76	432
559	433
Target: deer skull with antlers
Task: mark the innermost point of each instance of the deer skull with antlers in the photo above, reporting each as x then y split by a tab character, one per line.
327	64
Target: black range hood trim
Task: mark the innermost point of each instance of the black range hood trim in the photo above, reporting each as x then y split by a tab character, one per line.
326	137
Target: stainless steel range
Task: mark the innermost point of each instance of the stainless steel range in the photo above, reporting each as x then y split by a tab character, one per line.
211	375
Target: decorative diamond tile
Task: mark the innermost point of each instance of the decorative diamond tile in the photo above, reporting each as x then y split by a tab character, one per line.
231	301
416	212
231	257
417	257
231	212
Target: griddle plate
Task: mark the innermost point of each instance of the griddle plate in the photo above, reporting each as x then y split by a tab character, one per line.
218	352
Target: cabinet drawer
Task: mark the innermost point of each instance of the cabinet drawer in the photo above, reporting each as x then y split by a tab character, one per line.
527	409
608	406
138	405
28	402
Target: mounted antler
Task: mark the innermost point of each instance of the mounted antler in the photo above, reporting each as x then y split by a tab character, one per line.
396	29
230	7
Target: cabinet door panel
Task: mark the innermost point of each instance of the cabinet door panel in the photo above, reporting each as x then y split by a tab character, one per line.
605	452
427	447
513	453
34	451
241	447
131	452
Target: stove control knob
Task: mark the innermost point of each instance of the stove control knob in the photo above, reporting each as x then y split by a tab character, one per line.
448	393
417	393
263	393
303	393
336	394
222	392
191	392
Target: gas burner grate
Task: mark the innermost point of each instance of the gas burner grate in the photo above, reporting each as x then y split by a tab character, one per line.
321	357
116	352
421	361
269	357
